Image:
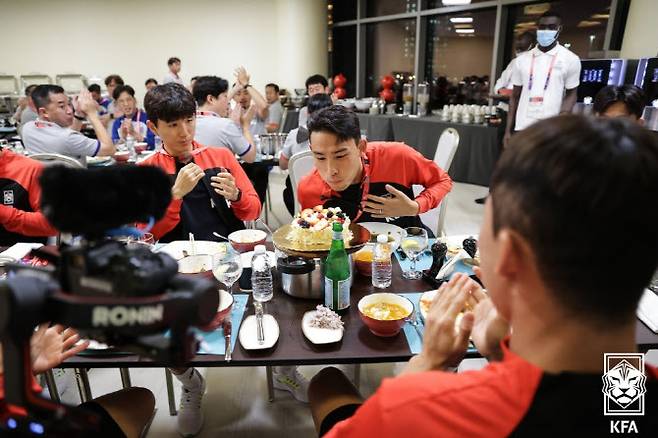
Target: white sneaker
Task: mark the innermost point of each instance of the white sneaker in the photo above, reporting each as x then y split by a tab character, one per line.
291	380
190	415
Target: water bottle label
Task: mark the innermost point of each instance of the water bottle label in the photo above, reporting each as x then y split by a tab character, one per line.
338	298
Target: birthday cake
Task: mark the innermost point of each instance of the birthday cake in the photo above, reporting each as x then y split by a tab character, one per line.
313	227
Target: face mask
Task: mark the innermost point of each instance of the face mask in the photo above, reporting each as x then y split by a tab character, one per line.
546	37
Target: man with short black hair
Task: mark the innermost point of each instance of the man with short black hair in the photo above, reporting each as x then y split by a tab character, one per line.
545	78
369	181
174	68
57	130
111	82
314	84
25	112
150	84
213	127
246	96
210	193
547	273
620	101
133	120
274	107
103	102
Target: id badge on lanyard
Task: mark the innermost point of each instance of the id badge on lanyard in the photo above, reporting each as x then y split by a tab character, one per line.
536	103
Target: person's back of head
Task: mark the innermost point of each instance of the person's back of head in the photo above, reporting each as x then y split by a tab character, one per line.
317	102
94	88
582	193
41	94
206	86
29	89
620	101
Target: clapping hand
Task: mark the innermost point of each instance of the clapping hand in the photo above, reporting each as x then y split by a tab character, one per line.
50	346
187	179
395	204
241	76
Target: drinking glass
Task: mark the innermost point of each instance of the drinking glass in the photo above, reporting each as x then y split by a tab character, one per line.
227	268
413	245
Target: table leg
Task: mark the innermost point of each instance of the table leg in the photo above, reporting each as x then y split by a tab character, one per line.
270	384
170	393
125	378
82	380
52	386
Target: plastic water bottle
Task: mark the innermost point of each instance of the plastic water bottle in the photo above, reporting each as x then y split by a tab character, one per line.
130	145
158	143
381	263
261	275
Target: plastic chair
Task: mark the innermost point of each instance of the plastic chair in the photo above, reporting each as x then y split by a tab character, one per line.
52	159
445	152
300	165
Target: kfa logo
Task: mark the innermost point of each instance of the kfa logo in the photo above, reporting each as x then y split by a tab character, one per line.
8	197
624	385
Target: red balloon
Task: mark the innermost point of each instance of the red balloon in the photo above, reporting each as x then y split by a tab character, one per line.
387	81
340	81
387	94
340	93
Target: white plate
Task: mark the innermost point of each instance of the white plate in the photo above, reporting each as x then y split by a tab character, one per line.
455	242
317	335
98	160
249	337
381	227
176	248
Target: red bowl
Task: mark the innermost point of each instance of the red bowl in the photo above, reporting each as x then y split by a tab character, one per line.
226	301
246	240
384	328
363	261
140	147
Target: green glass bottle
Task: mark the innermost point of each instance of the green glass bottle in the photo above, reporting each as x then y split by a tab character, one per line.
337	273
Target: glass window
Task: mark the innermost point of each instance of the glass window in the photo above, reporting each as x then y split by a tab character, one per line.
342	50
459	55
378	8
342	10
390	50
583	24
432	4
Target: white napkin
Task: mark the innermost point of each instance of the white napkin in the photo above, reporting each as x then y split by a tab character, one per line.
19	250
449	267
647	310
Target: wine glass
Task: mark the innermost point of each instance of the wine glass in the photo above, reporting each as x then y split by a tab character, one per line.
413	245
227	268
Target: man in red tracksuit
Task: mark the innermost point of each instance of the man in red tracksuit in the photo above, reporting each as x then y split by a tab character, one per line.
210	193
368	181
20	219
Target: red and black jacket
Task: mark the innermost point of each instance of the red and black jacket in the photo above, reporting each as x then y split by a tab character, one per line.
384	163
203	211
20	219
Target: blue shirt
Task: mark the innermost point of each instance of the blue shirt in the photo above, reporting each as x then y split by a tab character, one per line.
139	119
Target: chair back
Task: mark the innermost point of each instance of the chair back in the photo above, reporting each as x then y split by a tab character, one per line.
300	165
53	159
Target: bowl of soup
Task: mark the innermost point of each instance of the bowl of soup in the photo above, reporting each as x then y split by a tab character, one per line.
385	313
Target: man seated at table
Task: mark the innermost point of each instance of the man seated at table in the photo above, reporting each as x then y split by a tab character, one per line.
25	112
213	127
315	84
103	102
558	190
369	181
296	142
620	101
210	193
20	216
150	84
57	130
123	413
172	75
274	108
132	121
113	110
247	96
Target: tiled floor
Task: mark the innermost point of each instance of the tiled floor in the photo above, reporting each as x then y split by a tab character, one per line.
235	404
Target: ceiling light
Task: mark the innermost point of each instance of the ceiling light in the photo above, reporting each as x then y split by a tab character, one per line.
600	16
455	2
463	26
586	23
461	20
465	30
